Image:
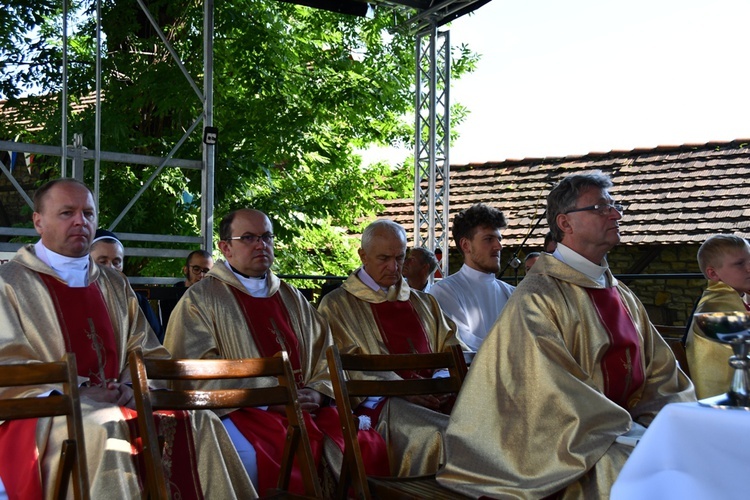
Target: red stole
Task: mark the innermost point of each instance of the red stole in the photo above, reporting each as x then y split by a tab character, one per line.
88	332
269	323
402	331
19	460
87	329
621	364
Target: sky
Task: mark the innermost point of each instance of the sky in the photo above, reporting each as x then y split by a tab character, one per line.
559	78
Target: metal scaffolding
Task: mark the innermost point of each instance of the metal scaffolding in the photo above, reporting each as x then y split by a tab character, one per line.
432	143
424	17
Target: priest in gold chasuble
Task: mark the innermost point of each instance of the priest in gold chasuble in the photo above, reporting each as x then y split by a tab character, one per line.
53	300
242	310
375	312
569	375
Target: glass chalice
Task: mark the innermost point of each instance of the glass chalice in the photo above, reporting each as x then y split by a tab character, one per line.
730	328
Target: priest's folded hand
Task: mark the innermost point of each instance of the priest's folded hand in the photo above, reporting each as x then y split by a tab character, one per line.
427	400
309	399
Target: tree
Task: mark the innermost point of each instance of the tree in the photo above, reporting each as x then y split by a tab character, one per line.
297	91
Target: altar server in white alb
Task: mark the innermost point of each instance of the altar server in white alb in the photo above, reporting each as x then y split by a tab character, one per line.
473	297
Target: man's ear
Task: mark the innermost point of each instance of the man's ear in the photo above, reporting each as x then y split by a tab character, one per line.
225	249
563	223
362	254
37	218
465	244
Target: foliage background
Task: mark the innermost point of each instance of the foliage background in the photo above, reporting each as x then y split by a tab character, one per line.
297	91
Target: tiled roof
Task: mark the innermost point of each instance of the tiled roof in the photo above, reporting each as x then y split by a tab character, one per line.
673	194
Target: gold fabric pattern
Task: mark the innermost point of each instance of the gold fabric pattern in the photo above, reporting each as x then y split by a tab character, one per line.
208	323
413	433
709	360
30	332
531	419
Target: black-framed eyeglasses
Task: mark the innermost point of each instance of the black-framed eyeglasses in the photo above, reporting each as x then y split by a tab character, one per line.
199	269
601	208
251	238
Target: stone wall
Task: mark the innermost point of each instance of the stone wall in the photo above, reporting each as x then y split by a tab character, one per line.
668	302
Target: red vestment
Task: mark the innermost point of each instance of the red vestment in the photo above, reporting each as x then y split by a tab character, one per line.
88	332
621	364
269	324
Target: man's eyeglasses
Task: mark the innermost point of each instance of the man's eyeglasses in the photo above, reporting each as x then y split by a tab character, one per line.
199	269
251	238
601	209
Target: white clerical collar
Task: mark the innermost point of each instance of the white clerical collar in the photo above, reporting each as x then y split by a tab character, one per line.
257	287
73	270
367	280
582	264
476	274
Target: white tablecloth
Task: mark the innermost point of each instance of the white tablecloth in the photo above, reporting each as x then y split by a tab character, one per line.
689	452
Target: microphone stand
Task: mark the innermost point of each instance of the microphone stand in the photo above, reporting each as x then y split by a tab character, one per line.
515	262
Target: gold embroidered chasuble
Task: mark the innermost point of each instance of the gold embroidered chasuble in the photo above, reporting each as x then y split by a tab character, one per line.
709	360
532	419
413	433
208	323
30	332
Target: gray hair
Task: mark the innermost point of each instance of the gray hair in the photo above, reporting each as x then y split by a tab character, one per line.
381	225
564	196
532	255
426	257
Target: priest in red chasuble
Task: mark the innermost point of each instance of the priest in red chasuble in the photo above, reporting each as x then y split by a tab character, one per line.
54	299
241	309
375	312
570	374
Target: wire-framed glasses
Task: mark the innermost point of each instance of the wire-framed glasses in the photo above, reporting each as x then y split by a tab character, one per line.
601	208
251	238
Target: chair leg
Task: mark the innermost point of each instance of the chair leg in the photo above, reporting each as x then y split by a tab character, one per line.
342	488
67	459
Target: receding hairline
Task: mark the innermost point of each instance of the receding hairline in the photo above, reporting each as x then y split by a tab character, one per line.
41	194
227	222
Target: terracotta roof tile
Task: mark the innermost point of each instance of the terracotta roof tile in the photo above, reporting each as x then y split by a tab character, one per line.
673	194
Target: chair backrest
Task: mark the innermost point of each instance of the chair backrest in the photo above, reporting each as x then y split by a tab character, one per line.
347	384
68	404
673	336
285	393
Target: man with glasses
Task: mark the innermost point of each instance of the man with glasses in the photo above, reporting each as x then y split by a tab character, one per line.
197	265
571	372
243	310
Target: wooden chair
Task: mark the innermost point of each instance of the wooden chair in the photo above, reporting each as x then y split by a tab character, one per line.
673	336
346	386
279	367
73	452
